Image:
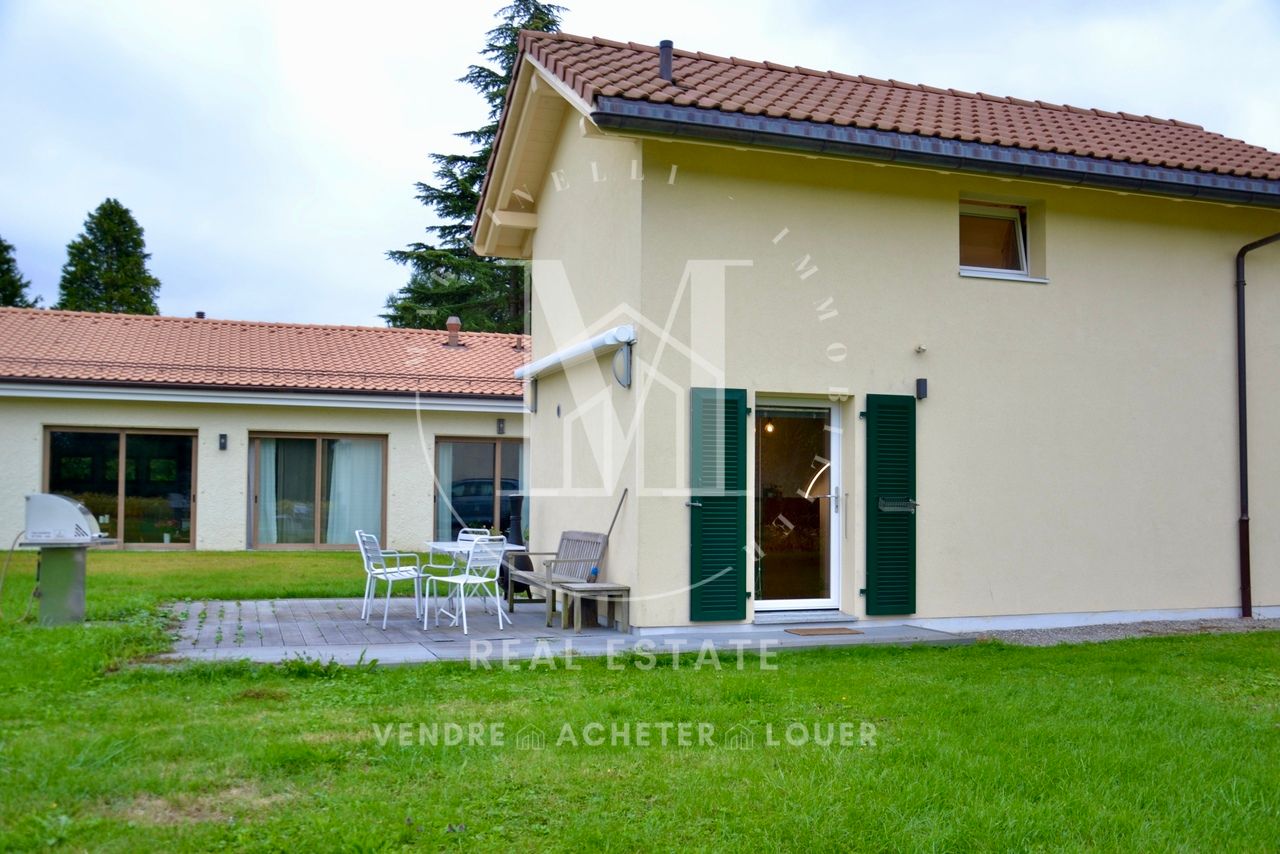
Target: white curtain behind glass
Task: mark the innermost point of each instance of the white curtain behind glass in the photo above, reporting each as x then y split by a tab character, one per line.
355	489
267	491
444	487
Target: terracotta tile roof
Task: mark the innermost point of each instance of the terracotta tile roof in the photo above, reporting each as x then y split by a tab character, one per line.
596	67
123	349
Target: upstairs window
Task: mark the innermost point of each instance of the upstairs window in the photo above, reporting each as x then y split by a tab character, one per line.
993	238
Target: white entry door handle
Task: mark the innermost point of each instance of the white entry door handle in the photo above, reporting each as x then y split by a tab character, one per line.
835	500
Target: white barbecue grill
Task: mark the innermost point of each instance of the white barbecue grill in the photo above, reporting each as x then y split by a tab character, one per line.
63	529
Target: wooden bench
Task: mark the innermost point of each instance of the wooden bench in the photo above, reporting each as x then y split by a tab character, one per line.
566	577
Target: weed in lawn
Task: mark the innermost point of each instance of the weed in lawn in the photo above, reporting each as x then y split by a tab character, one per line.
263	694
101	753
302	667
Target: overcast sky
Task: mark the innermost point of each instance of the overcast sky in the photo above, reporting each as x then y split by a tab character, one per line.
270	149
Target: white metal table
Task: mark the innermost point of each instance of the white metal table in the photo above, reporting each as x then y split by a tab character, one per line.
461	547
458	548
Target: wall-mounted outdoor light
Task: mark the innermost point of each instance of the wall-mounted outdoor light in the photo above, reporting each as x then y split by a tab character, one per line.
222	441
502	426
922	388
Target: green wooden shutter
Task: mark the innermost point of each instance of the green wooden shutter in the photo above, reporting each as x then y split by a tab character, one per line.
891	492
718	499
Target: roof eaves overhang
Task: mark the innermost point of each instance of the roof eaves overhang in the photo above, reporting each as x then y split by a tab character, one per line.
506	215
915	150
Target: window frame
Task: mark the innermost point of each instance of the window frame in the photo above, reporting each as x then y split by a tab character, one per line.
1009	213
121	467
497	442
255	477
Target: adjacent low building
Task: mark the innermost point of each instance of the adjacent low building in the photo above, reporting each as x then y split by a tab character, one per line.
183	433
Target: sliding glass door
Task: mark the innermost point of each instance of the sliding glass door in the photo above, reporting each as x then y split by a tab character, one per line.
476	484
140	484
317	491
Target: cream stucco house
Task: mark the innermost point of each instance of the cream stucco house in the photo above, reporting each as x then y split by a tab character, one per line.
183	433
862	347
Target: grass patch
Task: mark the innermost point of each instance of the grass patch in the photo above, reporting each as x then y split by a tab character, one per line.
1158	743
119	583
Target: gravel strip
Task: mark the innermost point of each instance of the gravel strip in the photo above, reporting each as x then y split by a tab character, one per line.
1116	631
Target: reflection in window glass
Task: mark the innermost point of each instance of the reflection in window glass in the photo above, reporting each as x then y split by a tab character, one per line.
511	485
465	472
83	466
157	492
476	483
153	498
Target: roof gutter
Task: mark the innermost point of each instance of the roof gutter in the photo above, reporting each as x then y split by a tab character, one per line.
1246	582
916	150
81	390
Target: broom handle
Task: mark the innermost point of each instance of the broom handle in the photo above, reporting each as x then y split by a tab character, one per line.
616	512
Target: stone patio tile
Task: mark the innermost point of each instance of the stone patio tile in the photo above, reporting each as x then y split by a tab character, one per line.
324	628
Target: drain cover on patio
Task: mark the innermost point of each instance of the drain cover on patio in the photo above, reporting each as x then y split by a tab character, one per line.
833	630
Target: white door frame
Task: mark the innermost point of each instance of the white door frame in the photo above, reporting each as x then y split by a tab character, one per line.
836	507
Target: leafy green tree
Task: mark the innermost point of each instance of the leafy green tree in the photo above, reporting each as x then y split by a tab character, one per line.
13	286
446	277
106	267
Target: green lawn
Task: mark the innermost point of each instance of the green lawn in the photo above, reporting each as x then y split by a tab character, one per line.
1155	744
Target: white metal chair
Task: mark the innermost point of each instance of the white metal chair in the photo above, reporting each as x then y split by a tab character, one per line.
437	560
480	575
376	569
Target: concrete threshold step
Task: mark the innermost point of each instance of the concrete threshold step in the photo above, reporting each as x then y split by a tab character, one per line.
801	618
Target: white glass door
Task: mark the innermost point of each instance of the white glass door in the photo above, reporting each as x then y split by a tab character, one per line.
797	506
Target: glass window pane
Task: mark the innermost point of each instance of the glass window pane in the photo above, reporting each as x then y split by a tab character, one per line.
157	489
464	488
83	466
286	491
793	510
352	485
990	242
512	484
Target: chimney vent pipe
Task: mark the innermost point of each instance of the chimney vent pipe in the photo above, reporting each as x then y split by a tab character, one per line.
664	60
454	325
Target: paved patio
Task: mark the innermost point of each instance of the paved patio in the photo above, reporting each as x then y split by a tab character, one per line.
277	629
